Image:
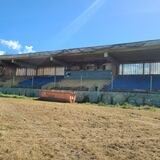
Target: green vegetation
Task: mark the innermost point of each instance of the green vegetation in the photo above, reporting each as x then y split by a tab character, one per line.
119	98
102	99
14	96
20	92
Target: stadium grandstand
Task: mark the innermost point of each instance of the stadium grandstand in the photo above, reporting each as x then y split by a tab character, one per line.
120	67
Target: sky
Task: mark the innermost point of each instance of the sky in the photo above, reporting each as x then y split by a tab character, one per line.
44	25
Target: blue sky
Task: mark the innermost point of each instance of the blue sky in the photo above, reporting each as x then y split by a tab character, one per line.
42	25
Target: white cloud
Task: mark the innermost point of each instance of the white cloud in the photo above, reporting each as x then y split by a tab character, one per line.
2	53
28	49
15	45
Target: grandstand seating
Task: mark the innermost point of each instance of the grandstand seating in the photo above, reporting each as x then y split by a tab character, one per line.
72	80
68	84
135	83
38	81
92	75
8	81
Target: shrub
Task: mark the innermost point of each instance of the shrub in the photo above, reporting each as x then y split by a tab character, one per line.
119	98
94	97
106	98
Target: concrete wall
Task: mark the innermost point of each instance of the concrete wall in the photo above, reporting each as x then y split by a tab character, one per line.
120	98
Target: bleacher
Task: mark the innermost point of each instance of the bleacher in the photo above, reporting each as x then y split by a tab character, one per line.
9	82
85	85
38	82
82	80
135	83
89	75
74	80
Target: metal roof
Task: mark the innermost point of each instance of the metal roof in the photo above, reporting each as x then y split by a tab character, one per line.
144	51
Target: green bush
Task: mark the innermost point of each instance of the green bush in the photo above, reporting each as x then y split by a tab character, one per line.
106	98
21	92
152	100
82	97
119	98
94	97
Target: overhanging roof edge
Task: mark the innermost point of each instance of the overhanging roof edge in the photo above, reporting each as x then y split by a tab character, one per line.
73	51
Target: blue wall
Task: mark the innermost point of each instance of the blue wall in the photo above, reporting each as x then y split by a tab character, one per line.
39	81
90	75
135	82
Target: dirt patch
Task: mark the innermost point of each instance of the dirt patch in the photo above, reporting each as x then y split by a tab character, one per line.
45	130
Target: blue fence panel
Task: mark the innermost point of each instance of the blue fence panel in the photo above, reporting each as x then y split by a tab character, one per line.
38	82
131	82
92	75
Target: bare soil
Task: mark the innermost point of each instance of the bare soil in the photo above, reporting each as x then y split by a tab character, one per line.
36	130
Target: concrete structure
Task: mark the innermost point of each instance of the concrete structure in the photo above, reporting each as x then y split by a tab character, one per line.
119	59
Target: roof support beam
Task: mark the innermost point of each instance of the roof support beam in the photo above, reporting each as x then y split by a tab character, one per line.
24	64
56	61
112	59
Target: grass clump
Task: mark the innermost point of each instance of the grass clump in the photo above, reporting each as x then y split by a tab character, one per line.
14	96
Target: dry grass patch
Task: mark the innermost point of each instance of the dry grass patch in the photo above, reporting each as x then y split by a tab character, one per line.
39	130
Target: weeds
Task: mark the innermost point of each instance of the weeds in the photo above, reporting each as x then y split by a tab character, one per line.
14	96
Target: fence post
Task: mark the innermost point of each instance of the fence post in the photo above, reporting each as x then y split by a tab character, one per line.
55	78
151	82
32	81
112	82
